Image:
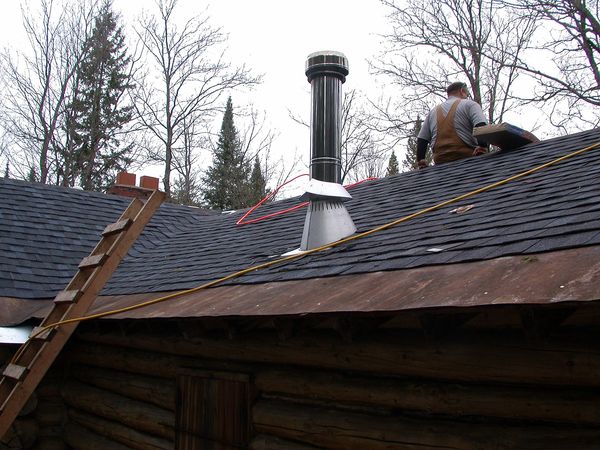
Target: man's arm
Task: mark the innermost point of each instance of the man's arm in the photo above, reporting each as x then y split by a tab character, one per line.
423	139
479	141
422	145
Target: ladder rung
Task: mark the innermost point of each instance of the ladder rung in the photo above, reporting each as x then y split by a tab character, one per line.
37	333
116	227
67	296
15	372
92	261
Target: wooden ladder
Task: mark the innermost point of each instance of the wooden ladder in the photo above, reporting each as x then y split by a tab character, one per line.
34	358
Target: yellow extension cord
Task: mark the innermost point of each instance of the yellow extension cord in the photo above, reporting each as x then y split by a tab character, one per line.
308	252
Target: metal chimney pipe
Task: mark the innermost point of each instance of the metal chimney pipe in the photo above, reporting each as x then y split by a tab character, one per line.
326	71
327	219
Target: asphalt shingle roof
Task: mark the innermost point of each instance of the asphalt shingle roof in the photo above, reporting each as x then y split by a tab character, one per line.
554	209
45	231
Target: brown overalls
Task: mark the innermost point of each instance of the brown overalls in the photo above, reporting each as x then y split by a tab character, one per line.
448	145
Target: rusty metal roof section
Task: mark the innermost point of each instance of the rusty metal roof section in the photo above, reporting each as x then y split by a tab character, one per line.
548	278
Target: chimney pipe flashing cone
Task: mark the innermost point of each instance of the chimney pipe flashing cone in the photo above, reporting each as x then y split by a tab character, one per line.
317	189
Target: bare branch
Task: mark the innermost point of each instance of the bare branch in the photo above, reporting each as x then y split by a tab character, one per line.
193	76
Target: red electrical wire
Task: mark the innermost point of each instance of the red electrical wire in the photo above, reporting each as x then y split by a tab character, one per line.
283	211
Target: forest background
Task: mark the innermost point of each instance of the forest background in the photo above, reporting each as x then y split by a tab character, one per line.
92	88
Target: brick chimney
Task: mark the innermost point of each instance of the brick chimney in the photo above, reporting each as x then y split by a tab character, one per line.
125	186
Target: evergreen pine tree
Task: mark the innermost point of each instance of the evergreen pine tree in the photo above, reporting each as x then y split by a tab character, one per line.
98	110
410	160
392	165
257	186
227	179
186	191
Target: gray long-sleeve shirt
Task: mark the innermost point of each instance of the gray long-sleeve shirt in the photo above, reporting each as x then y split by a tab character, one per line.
468	114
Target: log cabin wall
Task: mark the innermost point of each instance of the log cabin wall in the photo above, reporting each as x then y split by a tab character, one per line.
40	425
495	378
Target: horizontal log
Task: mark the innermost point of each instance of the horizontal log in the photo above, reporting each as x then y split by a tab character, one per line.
118	432
135	414
157	391
266	442
478	357
21	435
80	438
30	405
50	413
344	430
509	402
52	443
160	365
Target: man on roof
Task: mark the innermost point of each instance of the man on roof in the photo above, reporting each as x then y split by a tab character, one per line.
448	128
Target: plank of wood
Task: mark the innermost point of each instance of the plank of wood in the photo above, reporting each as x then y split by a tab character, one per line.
89	262
67	296
15	372
41	333
116	227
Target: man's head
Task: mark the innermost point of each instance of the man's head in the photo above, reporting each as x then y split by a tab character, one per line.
458	89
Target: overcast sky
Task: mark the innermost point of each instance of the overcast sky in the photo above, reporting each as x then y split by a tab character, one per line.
273	38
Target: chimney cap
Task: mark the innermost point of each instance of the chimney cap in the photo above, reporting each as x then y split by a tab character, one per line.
327	62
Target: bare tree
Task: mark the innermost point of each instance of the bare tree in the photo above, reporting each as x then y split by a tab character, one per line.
373	163
37	83
434	43
192	77
257	141
362	151
564	58
363	140
187	186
